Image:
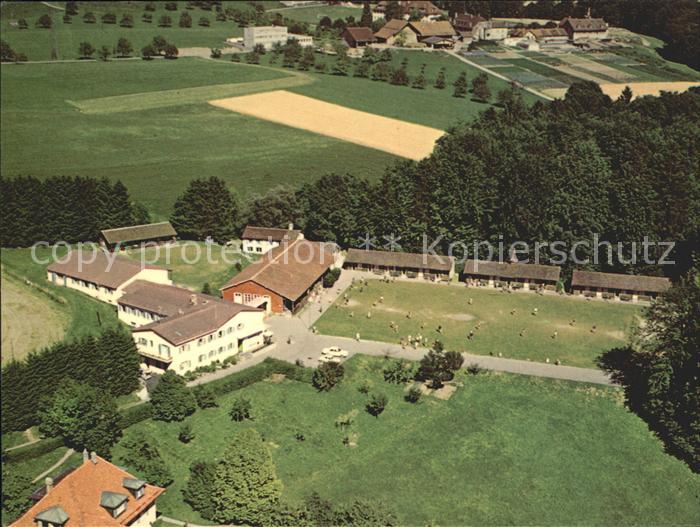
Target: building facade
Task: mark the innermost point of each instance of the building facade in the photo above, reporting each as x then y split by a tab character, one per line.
268	36
259	240
615	286
418	265
520	275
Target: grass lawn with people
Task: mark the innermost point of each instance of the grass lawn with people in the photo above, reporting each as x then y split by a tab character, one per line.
445	313
504	449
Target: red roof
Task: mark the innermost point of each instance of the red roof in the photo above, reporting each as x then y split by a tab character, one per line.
80	492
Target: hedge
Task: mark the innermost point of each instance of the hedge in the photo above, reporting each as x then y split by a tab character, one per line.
135	414
30	452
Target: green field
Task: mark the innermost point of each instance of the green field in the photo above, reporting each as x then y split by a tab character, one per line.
433	305
156	152
503	450
314	14
83	315
215	270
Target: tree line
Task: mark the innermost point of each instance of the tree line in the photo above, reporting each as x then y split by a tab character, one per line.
108	363
62	208
673	21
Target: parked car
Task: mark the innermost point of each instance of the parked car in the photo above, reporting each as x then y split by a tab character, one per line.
334	351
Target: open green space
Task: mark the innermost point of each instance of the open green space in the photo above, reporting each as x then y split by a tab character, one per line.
38	43
503	450
496	330
215	264
83	315
543	70
156	152
11	439
313	14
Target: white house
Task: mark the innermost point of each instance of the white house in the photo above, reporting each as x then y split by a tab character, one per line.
491	30
199	335
268	36
259	240
102	275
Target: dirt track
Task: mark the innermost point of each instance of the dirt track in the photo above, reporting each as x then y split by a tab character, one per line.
397	137
639	89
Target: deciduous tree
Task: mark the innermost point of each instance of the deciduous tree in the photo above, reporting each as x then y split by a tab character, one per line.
171	399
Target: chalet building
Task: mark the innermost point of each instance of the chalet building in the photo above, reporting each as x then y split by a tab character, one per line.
405	8
618	286
389	33
517	274
464	24
283	279
102	275
259	240
582	29
396	263
95	493
358	37
137	235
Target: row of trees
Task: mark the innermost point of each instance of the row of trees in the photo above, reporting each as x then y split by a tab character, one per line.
62	208
109	363
673	21
158	46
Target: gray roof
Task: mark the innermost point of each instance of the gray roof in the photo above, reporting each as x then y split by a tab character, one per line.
98	267
55	515
112	500
138	233
133	483
164	300
427	262
523	271
586	24
269	233
624	282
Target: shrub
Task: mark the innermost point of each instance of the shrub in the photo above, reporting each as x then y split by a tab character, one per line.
197	491
204	22
171	399
240	411
32	451
89	18
44	22
413	395
331	277
398	372
205	396
376	404
185	435
327	375
145	459
135	414
215	54
475	369
109	18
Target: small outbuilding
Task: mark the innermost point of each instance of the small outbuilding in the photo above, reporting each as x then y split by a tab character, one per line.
616	286
358	37
150	233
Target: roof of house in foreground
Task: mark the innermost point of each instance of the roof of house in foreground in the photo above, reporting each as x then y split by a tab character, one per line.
195	321
274	234
626	282
512	270
76	499
429	262
289	269
162	299
137	233
98	267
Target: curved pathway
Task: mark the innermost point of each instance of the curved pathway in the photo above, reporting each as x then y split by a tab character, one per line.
53	467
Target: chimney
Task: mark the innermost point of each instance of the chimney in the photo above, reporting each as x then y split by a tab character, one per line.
193	300
86	455
93	458
49	484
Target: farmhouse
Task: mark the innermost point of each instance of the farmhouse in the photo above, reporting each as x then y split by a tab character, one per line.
442	30
618	286
137	234
464	24
542	37
283	278
405	8
491	30
358	37
411	264
259	240
518	274
102	275
145	302
268	36
394	30
207	330
580	29
95	493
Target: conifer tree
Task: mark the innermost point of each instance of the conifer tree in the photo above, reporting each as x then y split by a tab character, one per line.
440	82
143	456
460	85
207	208
171	399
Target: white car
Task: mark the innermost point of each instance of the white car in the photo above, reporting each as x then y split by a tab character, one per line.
328	358
334	351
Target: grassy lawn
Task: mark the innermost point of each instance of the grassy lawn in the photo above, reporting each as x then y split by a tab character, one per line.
313	14
156	152
504	450
35	466
37	43
11	439
84	315
217	270
448	306
430	107
30	319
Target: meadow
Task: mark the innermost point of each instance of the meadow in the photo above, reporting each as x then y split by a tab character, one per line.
444	313
503	450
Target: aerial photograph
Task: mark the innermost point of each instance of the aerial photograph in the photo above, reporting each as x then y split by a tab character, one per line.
350	263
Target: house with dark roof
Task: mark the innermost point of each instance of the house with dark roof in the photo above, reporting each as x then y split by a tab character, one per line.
431	30
464	24
616	286
396	29
582	29
95	493
358	37
429	266
102	275
175	328
259	240
520	275
425	9
283	278
124	237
